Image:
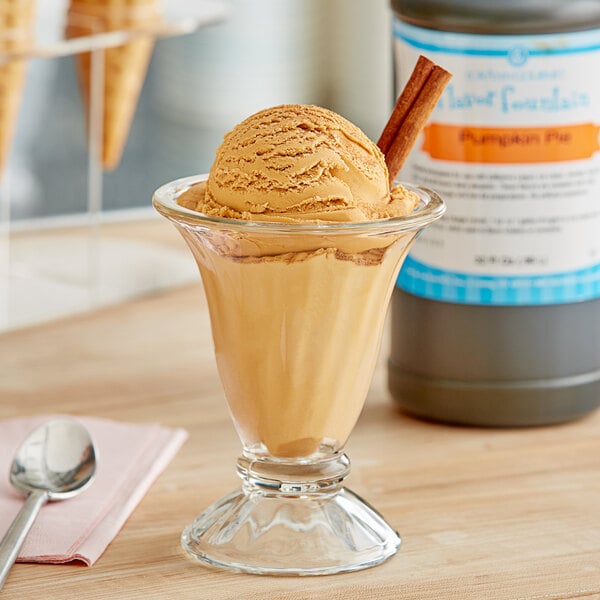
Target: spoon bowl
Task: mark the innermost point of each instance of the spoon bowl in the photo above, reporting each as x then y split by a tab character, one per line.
57	461
58	458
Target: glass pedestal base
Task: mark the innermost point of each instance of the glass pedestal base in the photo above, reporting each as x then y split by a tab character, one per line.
296	524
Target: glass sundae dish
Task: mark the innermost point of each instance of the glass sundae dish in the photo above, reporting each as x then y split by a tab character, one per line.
299	240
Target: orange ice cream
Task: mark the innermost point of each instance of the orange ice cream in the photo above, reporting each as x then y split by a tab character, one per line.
295	163
297	314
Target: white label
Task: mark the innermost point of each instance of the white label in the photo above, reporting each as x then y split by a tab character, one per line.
512	147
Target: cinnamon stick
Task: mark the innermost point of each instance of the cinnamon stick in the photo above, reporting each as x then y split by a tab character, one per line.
411	112
405	100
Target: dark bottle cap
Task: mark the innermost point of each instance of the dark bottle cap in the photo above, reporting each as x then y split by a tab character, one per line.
500	16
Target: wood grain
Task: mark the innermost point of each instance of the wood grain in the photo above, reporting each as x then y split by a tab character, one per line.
484	514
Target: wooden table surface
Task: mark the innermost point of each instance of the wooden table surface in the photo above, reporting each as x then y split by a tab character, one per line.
484	514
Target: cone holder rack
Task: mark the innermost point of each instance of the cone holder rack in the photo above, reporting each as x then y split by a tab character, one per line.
177	18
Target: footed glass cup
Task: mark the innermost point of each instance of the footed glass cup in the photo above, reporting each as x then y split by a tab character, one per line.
297	312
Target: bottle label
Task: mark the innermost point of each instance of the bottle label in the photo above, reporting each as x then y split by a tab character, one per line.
513	149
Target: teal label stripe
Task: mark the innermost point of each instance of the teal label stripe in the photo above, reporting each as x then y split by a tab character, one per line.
426	281
497	46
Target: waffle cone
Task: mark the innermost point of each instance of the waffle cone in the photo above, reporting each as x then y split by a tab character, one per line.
124	66
16	26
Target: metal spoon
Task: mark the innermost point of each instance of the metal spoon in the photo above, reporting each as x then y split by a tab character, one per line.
57	461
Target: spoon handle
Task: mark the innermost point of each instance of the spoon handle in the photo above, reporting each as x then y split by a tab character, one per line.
15	536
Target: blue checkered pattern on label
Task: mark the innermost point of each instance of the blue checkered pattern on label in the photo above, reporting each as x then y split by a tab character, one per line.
448	286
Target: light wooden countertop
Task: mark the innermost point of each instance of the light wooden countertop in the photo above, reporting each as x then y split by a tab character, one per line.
484	514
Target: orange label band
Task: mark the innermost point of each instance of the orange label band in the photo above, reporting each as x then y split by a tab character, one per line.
462	143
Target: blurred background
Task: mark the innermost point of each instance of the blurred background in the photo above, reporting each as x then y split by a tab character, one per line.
335	53
73	238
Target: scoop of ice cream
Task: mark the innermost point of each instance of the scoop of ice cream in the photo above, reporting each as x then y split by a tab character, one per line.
295	163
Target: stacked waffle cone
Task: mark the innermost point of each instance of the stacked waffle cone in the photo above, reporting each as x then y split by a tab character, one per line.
16	35
125	66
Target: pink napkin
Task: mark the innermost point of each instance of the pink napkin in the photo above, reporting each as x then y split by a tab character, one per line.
130	458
